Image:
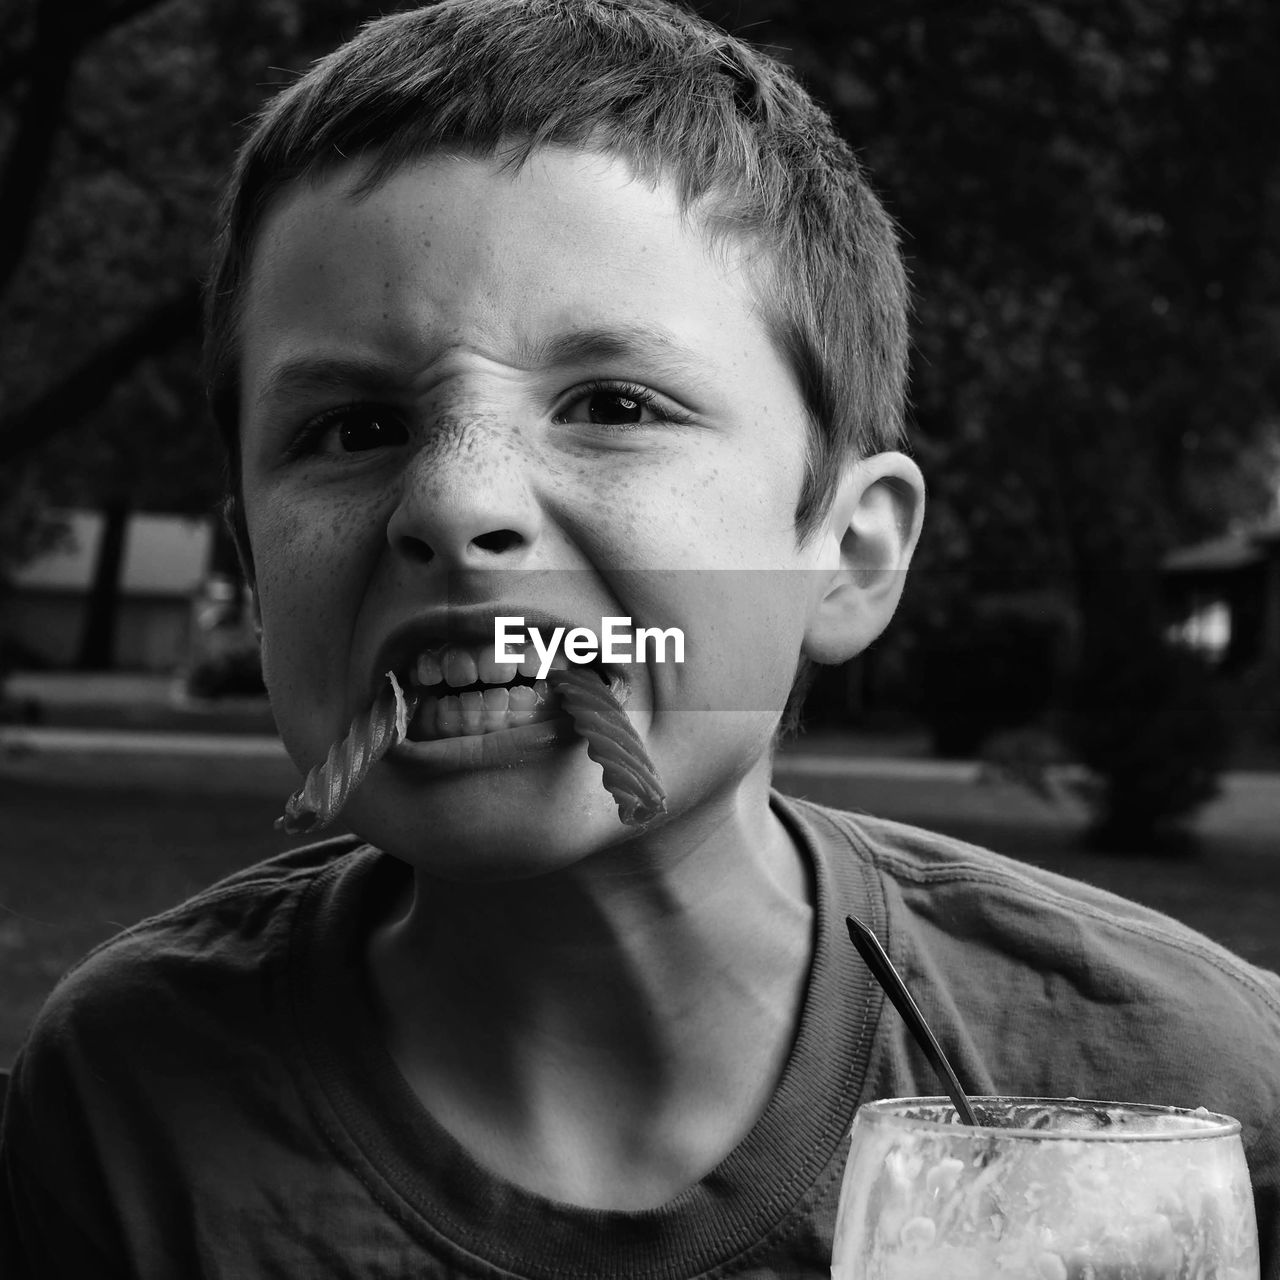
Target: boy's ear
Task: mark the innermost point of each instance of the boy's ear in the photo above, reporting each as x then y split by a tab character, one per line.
869	536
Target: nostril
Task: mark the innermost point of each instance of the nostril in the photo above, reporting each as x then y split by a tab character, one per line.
417	549
498	540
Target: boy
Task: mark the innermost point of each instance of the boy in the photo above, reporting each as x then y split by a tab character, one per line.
567	311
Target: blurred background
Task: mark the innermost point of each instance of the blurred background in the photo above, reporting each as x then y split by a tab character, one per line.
1086	668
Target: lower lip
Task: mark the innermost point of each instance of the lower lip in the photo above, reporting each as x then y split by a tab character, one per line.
503	749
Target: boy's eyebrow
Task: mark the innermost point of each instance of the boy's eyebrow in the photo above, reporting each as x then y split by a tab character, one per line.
325	373
651	343
648	342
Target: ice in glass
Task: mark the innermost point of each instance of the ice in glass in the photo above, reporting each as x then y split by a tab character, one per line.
1055	1189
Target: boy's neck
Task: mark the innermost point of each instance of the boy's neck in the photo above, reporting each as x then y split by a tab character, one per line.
606	1040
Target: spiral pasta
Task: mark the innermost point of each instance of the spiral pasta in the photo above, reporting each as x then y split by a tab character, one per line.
329	786
629	775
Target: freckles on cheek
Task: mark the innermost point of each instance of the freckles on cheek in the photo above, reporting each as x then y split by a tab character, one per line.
313	566
627	510
613	517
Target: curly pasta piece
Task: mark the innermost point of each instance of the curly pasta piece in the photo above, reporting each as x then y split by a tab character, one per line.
329	786
629	775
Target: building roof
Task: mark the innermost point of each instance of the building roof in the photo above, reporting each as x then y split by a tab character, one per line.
1217	555
163	555
1248	545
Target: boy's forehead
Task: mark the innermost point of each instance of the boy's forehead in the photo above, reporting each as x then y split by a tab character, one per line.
625	249
345	186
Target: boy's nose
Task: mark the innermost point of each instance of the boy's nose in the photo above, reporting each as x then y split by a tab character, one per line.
465	500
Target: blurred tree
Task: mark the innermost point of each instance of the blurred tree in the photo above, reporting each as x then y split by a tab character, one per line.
93	220
117	124
1089	195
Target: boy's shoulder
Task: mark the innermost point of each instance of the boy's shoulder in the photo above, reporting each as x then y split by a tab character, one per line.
166	1065
243	905
919	864
947	898
236	929
1044	985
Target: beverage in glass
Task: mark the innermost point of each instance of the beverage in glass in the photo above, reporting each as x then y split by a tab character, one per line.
1046	1189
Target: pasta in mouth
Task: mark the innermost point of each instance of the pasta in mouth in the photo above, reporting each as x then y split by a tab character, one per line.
329	786
593	706
612	742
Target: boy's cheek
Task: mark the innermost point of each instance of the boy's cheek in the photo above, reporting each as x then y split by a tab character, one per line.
606	511
300	663
307	683
306	551
310	570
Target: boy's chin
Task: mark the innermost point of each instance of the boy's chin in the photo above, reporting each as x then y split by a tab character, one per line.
498	837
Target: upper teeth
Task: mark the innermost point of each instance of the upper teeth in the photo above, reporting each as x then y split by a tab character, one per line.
461	665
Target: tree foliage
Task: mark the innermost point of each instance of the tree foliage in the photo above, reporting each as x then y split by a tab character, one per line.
1089	197
117	124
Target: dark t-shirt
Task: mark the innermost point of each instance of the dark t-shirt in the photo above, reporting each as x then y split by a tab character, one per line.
207	1094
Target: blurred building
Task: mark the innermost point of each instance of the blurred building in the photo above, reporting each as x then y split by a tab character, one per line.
1224	596
165	563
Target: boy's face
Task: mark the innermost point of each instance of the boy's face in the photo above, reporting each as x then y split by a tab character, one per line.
444	419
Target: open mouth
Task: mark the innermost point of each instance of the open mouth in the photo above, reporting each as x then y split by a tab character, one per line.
463	691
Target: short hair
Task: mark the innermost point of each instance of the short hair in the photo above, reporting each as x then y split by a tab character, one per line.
750	153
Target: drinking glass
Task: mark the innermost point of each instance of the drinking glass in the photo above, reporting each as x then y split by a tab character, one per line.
1046	1189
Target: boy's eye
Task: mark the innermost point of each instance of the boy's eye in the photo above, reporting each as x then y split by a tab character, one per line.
355	429
613	406
608	407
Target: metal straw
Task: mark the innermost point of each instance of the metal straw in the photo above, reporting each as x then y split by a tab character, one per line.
877	960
